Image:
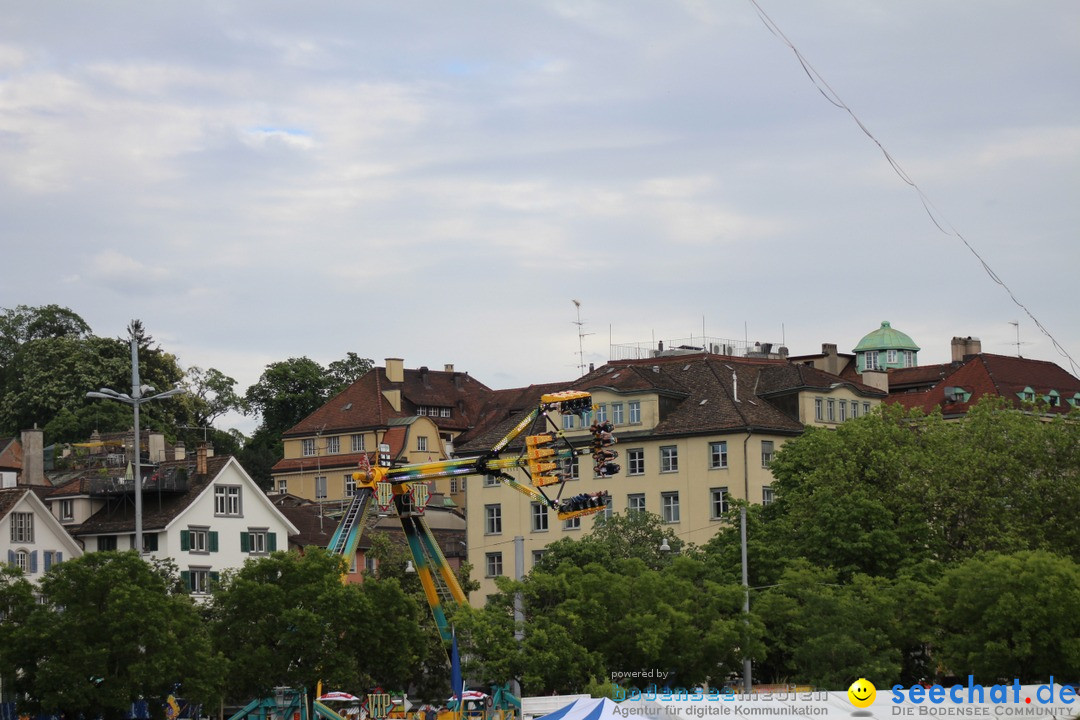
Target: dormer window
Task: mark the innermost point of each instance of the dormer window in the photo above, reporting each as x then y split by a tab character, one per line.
1027	394
1053	399
870	360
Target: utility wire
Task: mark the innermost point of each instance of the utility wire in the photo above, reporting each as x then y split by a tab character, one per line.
936	216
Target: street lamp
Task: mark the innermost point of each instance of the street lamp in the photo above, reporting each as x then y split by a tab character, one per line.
139	394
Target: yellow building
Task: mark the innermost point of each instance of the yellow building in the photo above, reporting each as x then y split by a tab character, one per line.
694	432
415	415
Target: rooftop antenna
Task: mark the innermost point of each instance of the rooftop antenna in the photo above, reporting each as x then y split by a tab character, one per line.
580	336
1016	324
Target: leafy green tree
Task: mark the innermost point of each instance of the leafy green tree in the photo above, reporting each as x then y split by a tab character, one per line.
346	371
348	636
112	630
1010	616
287	392
210	394
24	323
633	535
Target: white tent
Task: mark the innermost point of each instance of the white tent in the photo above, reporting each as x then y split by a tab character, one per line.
588	709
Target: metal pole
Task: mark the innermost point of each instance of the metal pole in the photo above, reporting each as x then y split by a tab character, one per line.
747	664
136	395
519	612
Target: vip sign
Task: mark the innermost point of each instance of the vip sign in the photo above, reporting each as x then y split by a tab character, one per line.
421	494
378	705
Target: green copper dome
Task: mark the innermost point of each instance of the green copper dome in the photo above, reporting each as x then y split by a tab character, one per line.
886	338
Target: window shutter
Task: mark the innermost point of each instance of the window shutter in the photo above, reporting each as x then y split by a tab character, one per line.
11	557
59	558
271	542
245	543
213	541
48	560
215	576
33	561
185	540
185	578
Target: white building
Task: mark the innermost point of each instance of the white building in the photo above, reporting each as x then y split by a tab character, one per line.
30	537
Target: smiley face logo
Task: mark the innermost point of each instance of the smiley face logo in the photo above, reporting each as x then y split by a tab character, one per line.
862	693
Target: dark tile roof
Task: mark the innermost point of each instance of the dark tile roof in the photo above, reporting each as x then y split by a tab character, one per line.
9	497
316	528
780	379
921	376
323	462
1001	375
159	509
503	410
697	394
362	405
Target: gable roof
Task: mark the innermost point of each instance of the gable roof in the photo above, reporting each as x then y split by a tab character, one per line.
162	508
362	405
10	454
10	499
999	375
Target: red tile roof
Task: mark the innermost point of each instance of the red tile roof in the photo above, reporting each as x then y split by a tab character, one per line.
362	405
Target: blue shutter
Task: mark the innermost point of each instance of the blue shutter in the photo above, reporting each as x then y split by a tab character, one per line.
11	557
48	560
59	558
33	561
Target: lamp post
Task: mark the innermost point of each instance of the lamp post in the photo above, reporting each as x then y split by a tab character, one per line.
139	394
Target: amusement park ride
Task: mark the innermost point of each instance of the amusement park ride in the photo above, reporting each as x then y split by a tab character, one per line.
547	458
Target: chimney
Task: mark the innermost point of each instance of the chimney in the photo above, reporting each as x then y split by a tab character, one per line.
394	398
424	376
209	449
156	447
200	459
179	451
448	367
876	379
33	457
395	370
963	348
831	362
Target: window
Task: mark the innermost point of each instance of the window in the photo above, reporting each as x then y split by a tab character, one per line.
573	470
371	564
854	409
767	495
494	564
616	413
149	542
635	412
22	527
491	481
258	541
53	557
635	462
307	447
421	443
22	561
199	581
718	502
567	422
453	485
870	360
106	542
67	510
333	445
669	506
766	452
573	523
669	458
832	410
718	454
537	556
493	519
635	502
350	485
601	413
198	540
866	408
282	485
909	358
539	518
890	357
843	410
357	443
227	500
817	409
320	487
444	412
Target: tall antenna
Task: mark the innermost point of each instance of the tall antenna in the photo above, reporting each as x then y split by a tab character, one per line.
1016	324
580	336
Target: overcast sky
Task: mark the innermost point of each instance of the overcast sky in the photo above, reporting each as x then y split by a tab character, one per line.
438	181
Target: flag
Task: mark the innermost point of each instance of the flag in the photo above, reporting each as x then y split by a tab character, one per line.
456	684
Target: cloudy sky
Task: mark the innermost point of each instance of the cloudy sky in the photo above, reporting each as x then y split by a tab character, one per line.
438	181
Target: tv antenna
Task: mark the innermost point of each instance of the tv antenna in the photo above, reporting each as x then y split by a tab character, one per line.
1016	324
580	336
